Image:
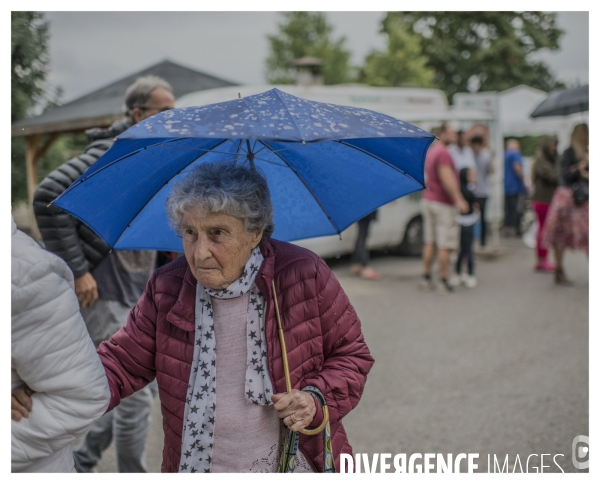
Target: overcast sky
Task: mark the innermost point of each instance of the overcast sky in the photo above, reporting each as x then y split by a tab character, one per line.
91	49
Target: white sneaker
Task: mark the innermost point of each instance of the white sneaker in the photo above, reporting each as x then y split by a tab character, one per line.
454	280
470	281
463	278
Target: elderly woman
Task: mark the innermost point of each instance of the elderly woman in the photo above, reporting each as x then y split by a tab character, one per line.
206	329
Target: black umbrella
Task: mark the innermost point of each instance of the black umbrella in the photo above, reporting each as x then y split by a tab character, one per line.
564	102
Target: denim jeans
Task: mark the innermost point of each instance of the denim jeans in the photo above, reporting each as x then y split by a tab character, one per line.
513	211
361	253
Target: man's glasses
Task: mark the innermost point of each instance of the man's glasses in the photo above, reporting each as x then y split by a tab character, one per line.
158	110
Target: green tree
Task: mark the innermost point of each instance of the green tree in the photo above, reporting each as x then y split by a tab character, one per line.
307	34
29	62
401	64
29	68
490	49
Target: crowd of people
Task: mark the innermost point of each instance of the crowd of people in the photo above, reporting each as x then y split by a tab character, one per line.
458	170
97	334
559	193
458	167
565	222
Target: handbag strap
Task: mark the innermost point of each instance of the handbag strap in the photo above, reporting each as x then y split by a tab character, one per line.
287	462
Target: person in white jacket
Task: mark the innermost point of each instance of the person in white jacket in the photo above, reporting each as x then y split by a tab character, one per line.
53	355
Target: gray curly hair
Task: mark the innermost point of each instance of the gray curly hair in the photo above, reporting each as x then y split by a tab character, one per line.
234	189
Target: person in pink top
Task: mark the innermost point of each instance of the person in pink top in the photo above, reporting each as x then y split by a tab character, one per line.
441	203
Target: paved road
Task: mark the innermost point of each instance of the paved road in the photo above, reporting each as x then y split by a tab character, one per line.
499	369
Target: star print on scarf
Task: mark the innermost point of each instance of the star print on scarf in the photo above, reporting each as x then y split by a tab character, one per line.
200	405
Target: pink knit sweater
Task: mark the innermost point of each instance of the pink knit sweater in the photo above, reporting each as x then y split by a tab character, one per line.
246	435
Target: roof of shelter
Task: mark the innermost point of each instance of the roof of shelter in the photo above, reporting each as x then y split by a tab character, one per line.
105	105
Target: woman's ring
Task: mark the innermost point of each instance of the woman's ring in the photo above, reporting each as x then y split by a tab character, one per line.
293	417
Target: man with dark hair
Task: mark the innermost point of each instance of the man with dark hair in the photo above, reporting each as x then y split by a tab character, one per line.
441	204
107	284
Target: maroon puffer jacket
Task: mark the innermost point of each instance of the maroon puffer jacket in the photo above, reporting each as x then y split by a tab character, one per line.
323	336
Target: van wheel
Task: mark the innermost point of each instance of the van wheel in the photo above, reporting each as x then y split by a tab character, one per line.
412	243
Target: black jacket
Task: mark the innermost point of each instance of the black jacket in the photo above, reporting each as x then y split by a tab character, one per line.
67	237
467	194
568	174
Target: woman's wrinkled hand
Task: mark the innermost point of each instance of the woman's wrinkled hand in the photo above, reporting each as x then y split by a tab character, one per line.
20	403
300	405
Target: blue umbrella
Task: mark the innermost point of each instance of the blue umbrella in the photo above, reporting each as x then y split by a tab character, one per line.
327	166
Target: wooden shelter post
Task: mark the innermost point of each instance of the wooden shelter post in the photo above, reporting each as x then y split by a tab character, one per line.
33	153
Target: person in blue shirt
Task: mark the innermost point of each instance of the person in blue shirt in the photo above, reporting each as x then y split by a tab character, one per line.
514	188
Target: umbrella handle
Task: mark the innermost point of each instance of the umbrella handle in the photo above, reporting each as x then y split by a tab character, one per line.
286	368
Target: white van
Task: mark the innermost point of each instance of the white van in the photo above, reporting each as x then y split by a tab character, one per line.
399	224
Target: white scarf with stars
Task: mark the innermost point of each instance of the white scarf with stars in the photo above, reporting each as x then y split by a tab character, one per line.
200	407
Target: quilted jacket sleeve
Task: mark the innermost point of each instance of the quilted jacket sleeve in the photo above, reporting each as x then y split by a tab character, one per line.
129	355
347	359
51	351
57	227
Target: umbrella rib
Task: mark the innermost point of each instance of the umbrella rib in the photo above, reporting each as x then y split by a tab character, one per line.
251	148
291	117
184	148
269	162
265	160
257	152
307	187
158	191
300	145
214	151
381	160
237	152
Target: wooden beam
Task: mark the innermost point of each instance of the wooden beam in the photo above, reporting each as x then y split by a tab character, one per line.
33	154
63	127
32	179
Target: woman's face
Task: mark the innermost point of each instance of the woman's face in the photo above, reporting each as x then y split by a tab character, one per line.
216	246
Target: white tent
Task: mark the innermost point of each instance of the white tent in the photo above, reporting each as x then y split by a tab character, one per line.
425	108
513	107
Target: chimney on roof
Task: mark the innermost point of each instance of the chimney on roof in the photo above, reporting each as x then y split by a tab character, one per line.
309	71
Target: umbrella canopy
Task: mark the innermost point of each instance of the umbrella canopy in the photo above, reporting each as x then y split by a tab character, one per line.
326	165
564	102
